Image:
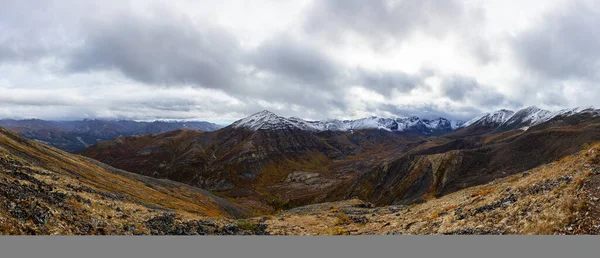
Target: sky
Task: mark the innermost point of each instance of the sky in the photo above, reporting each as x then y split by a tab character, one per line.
223	60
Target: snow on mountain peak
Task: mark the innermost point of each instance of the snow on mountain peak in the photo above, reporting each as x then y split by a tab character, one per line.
527	117
495	118
524	118
502	119
266	120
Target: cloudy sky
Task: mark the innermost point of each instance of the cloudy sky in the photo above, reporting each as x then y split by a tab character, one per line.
224	59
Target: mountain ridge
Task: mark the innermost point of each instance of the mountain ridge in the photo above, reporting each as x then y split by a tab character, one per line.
267	120
504	120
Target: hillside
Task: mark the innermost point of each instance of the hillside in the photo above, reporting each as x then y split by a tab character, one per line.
47	191
467	160
557	198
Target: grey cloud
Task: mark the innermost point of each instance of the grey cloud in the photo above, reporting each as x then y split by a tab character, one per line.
379	19
386	24
280	90
162	48
430	111
489	98
297	61
464	89
456	88
7	53
13	51
114	101
385	82
564	45
553	98
31	30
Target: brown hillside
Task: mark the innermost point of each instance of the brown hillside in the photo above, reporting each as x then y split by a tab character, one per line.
47	191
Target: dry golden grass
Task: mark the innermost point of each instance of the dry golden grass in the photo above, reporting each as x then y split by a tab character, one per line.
99	178
342	219
337	231
482	191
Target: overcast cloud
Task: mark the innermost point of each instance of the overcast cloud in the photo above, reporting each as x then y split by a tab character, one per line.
223	60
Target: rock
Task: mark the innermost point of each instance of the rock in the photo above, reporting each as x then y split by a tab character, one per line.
479	230
300	176
364	205
359	219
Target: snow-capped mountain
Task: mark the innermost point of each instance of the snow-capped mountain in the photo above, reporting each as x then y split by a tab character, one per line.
526	118
266	120
501	120
494	119
574	111
505	120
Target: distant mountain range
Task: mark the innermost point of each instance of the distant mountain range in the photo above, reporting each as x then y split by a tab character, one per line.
76	135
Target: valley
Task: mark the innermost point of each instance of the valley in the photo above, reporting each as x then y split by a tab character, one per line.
501	173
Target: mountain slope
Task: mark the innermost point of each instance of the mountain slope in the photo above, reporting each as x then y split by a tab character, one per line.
469	161
76	135
47	191
553	199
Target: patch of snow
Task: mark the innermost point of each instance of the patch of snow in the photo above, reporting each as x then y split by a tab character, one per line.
82	142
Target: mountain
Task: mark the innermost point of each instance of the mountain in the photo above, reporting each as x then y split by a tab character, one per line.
47	191
76	135
494	119
266	120
282	162
526	118
506	120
